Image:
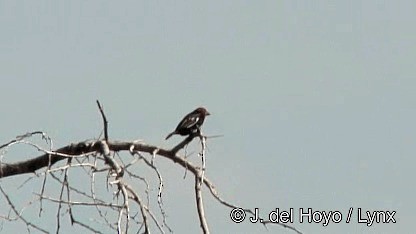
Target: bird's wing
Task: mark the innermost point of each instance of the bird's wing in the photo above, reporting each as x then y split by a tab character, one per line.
189	121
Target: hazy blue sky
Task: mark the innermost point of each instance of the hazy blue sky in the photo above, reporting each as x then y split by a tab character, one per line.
316	99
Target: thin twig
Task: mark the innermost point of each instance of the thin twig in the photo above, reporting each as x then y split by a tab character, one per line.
28	224
104	120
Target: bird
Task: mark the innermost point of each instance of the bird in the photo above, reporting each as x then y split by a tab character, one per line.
191	123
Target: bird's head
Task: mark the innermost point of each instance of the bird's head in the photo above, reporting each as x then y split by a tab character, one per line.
202	110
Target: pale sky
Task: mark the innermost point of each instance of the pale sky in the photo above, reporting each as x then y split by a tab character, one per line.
315	99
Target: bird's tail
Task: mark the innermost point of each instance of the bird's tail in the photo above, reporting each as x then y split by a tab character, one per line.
170	134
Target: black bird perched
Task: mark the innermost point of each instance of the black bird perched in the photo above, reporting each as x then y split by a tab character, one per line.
191	123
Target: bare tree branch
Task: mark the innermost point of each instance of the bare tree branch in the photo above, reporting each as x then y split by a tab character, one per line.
98	156
200	204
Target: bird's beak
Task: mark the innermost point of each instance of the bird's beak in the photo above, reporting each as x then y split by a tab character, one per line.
207	113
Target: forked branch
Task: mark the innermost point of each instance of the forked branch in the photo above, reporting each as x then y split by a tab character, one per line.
86	154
